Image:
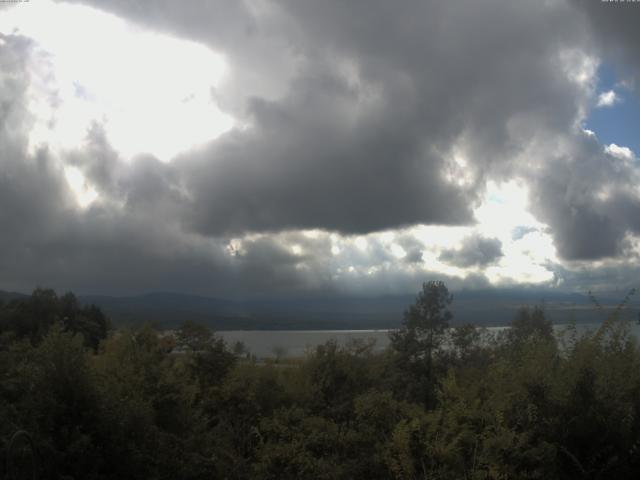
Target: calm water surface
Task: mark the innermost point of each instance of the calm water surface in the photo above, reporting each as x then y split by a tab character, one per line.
296	343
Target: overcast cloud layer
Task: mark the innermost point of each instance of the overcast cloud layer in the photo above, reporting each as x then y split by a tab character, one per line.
373	146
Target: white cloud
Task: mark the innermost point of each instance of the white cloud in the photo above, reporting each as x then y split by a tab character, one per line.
608	99
151	92
579	66
505	207
623	153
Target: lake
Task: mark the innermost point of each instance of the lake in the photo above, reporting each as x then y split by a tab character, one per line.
296	343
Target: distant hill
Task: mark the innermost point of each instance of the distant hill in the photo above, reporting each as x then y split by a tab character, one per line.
8	296
170	309
167	309
489	307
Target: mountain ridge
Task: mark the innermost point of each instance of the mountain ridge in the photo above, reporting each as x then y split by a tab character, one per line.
487	307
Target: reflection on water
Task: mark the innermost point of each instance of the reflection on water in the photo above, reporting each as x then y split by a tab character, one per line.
296	343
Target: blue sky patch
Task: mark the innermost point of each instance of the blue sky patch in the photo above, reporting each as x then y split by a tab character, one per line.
617	123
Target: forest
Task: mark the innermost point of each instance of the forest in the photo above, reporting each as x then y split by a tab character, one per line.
440	402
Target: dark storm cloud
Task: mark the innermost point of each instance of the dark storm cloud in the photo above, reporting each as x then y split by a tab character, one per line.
589	200
144	184
265	264
616	33
98	160
616	276
369	154
31	193
44	239
413	248
305	166
351	114
414	256
362	137
130	240
475	251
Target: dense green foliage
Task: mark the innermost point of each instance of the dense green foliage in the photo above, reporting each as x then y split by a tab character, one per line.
439	403
32	318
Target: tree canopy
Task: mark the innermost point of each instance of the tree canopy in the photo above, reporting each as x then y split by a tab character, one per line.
445	403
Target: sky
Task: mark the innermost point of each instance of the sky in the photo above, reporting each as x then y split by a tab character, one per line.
295	147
